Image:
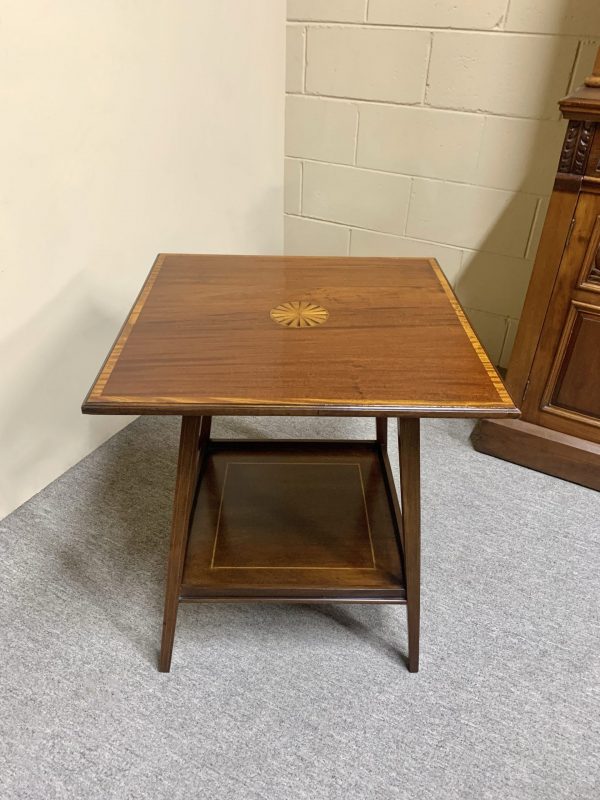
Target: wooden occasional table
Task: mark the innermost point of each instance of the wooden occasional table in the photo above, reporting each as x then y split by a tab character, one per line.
296	521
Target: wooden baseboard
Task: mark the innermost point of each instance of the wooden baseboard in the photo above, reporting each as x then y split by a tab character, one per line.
542	449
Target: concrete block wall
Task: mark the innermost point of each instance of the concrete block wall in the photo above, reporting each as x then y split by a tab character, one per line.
430	127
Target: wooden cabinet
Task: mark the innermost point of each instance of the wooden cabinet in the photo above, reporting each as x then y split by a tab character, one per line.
564	384
554	372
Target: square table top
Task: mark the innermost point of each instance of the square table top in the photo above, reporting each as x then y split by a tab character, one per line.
216	334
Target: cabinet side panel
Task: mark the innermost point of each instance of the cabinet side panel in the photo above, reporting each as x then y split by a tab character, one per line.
549	255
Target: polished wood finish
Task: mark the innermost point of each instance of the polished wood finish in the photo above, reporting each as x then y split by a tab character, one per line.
395	341
410	488
581	105
542	449
571	392
594	78
572	304
381	430
187	474
293	519
549	255
302	521
554	371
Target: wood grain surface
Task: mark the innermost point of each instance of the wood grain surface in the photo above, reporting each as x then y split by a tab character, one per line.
200	340
294	519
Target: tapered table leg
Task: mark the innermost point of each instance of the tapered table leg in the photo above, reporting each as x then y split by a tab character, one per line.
410	492
381	424
185	485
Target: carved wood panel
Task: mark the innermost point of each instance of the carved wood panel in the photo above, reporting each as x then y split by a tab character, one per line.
576	147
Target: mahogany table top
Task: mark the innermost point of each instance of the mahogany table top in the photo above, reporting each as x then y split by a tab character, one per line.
214	334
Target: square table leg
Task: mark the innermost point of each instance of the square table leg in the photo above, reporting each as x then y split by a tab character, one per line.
381	425
410	491
194	433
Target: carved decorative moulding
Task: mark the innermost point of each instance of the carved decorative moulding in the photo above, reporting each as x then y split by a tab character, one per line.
576	147
299	314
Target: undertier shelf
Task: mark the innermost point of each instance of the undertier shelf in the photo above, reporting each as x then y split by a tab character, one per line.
276	520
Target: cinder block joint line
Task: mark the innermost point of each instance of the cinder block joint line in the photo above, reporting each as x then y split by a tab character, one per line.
420	177
441	29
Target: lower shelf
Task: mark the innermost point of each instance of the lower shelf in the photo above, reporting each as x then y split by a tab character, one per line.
280	520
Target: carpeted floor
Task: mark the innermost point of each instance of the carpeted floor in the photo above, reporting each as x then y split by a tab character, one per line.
310	702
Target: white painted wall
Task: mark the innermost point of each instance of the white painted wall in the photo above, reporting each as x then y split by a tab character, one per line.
431	127
128	128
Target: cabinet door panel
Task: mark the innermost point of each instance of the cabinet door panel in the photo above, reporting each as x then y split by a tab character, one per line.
590	272
564	385
574	387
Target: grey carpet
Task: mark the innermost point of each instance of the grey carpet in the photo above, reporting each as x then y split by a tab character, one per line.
308	702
